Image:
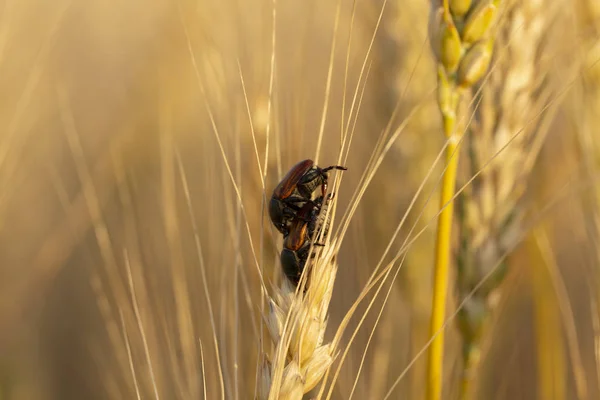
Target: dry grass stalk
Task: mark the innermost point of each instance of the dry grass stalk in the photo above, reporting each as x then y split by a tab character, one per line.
296	324
505	141
460	32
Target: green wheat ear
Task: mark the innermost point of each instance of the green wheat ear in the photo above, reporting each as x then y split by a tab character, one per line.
460	38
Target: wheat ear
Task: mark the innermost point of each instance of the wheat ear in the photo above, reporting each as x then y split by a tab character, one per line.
296	320
505	140
459	32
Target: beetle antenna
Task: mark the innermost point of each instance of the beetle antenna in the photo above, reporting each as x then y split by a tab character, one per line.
339	167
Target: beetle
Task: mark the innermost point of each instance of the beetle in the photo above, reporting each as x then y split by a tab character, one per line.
295	191
293	262
296	245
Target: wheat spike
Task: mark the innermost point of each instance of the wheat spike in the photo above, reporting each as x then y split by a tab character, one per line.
505	139
296	319
510	101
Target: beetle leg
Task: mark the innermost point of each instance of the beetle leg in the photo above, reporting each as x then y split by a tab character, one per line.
291	202
294	206
300	210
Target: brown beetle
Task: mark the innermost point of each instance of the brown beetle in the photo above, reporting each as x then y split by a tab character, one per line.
296	245
295	191
293	262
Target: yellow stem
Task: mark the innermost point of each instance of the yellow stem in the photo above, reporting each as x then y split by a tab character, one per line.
442	262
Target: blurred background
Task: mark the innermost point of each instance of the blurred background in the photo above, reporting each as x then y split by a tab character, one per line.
138	140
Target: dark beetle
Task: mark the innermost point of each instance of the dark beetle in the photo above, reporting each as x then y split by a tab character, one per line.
295	191
296	245
293	262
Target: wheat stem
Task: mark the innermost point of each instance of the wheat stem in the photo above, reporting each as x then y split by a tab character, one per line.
442	267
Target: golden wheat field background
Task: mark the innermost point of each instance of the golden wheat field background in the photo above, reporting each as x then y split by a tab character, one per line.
141	140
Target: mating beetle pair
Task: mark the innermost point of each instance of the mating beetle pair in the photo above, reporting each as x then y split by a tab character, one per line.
295	190
295	214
